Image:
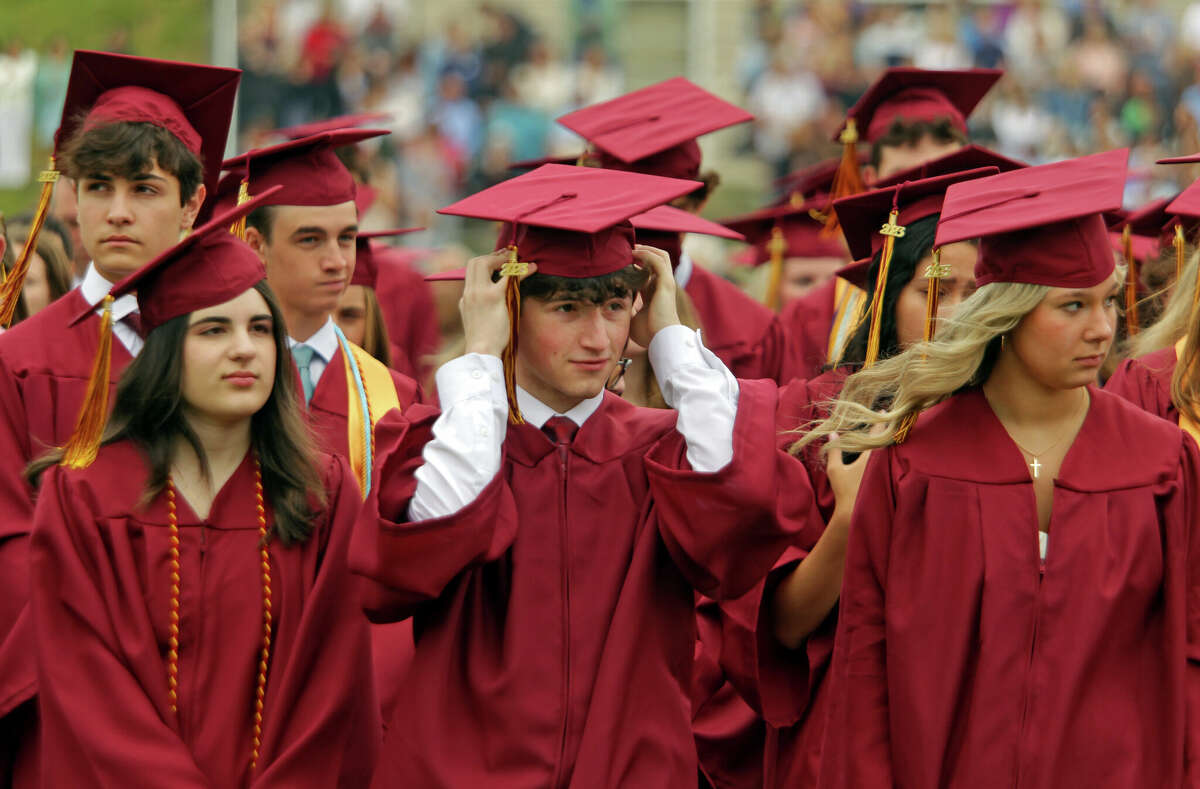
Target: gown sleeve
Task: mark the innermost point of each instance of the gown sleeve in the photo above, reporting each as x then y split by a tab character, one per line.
1135	382
105	723
725	530
857	744
18	673
322	726
1190	484
405	564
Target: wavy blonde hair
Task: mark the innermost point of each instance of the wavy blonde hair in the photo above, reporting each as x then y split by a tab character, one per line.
925	374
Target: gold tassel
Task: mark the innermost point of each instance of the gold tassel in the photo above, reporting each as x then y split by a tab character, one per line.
512	271
1131	280
1180	249
10	290
80	451
777	246
238	228
933	273
847	180
906	425
890	231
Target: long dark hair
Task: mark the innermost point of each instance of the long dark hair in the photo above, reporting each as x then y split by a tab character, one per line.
149	411
910	250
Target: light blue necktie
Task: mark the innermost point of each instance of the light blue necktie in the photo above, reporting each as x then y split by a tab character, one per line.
303	355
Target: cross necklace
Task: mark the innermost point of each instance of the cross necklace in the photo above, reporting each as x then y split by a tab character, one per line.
1036	465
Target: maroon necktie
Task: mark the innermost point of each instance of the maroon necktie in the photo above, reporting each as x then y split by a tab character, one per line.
559	429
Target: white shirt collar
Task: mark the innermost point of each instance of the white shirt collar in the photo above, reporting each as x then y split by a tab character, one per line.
683	272
324	342
95	287
538	413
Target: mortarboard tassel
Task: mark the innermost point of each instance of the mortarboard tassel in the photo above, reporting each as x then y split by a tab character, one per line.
512	271
1180	249
890	231
10	290
933	274
776	247
239	227
847	180
80	450
1131	280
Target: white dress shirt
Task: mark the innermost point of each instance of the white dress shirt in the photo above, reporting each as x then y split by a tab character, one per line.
325	345
94	288
683	272
464	454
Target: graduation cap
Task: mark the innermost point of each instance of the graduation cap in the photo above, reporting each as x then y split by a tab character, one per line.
208	267
871	223
307	169
570	221
1041	225
809	182
366	262
668	219
193	102
533	164
654	130
910	95
785	230
332	124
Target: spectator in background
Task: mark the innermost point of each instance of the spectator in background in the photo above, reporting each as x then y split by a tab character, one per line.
1036	34
544	82
18	66
458	117
1098	58
787	101
941	48
50	90
323	46
597	78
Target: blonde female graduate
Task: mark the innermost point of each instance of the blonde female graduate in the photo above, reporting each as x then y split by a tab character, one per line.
1015	609
196	625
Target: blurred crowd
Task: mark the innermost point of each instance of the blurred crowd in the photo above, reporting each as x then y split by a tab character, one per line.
463	105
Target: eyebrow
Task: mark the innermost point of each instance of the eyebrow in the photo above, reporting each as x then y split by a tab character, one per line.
229	322
316	229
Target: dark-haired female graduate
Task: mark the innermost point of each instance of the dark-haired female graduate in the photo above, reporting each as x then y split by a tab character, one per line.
1018	608
140	143
196	623
547	537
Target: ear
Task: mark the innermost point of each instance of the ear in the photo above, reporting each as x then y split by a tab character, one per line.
257	242
192	207
869	174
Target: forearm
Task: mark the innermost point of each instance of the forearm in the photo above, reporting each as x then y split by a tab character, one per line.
804	599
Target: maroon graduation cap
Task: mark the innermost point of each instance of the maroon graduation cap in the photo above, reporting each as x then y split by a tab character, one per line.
366	263
1041	225
332	124
308	169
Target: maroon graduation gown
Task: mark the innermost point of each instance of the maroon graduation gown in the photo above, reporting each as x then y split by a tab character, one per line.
963	661
100	595
553	615
45	364
328	412
808	321
408	311
743	333
1146	382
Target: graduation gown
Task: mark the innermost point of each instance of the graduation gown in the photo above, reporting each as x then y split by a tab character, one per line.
101	596
964	661
554	614
1146	382
808	321
45	364
328	412
408	311
743	333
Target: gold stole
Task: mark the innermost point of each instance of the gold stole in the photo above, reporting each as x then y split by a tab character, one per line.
849	302
1185	423
371	393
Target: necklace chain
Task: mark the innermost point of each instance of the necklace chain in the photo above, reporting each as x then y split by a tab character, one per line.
260	690
1036	465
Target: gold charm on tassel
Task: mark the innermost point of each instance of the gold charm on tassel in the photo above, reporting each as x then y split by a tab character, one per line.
512	271
238	228
10	290
777	248
80	450
1131	280
890	231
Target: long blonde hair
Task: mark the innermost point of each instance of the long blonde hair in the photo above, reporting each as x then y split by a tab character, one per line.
926	373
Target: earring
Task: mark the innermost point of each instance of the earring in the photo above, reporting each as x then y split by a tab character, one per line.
1003	342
